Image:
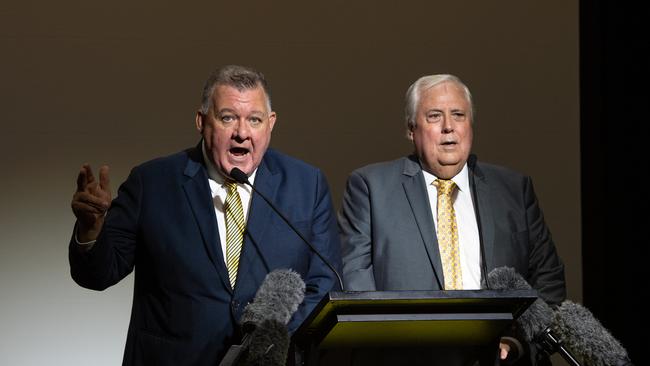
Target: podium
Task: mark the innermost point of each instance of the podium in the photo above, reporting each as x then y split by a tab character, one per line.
463	322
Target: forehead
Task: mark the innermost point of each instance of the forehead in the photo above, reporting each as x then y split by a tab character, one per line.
446	94
226	96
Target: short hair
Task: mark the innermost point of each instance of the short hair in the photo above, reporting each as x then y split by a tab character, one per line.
239	77
426	82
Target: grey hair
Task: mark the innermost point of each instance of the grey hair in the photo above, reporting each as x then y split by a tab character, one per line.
426	82
239	77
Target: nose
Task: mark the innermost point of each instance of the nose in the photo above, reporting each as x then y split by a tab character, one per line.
242	131
447	126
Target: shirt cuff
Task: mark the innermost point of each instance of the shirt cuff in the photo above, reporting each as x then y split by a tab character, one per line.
87	245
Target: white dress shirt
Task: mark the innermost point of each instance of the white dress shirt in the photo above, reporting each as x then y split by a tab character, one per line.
468	237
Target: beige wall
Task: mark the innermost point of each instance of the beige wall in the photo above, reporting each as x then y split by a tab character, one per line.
118	83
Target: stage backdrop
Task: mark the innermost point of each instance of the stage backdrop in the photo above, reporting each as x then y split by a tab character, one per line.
119	82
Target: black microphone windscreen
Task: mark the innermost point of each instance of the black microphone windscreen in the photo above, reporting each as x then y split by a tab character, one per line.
538	316
278	298
506	278
586	337
269	345
239	176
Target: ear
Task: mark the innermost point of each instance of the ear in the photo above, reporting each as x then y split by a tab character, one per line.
272	117
199	121
409	134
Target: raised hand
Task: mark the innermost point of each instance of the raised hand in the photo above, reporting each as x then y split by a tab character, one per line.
90	202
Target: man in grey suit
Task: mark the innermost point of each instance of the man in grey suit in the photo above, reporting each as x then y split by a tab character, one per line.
391	236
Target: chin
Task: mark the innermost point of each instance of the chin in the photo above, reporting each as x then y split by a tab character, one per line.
451	159
246	168
225	169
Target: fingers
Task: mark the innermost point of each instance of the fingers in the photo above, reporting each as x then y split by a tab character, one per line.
89	173
86	178
104	180
504	354
82	178
84	201
83	210
504	349
92	199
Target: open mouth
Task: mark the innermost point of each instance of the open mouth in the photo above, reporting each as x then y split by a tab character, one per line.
449	143
239	151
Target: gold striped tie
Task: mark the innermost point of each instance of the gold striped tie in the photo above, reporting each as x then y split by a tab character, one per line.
448	235
235	225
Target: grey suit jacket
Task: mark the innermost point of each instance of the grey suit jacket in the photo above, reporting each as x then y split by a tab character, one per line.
389	240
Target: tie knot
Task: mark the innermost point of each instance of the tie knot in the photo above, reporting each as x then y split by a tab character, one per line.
445	186
231	186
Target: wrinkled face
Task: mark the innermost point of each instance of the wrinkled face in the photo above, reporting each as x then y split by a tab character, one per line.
443	130
237	128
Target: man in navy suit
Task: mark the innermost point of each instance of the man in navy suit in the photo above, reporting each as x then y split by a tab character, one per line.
168	223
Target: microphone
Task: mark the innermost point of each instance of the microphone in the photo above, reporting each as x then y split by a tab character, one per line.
279	296
268	346
582	332
571	325
535	322
266	338
241	178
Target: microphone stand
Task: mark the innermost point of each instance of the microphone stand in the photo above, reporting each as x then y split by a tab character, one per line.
241	177
551	344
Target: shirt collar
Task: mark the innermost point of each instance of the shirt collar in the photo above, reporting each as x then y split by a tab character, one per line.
461	179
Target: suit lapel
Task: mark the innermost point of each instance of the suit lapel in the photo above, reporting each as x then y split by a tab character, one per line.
255	239
486	215
198	195
418	199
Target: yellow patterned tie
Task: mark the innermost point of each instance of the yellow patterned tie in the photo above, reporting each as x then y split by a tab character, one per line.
448	235
235	225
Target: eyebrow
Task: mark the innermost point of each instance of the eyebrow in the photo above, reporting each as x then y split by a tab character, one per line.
226	110
442	110
252	113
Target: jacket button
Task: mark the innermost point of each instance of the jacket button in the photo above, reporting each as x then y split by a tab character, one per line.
235	306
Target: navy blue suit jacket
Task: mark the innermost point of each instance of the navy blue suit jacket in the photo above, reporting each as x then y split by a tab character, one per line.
163	223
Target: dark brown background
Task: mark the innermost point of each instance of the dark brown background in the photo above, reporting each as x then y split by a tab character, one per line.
119	83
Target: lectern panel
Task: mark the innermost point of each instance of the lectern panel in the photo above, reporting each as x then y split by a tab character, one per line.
412	318
414	330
